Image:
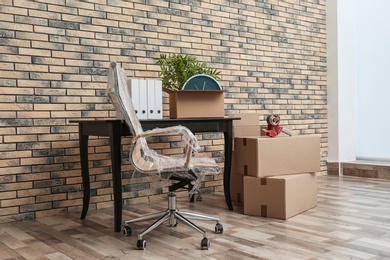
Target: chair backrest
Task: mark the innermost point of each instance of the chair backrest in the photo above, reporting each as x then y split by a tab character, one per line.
119	93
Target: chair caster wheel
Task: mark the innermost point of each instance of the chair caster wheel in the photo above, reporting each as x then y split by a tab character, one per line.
173	223
205	244
127	231
141	244
218	229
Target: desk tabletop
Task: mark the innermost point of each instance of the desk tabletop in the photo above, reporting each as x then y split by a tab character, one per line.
200	119
103	126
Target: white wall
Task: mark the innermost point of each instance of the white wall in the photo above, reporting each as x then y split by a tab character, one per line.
358	92
332	78
373	84
341	80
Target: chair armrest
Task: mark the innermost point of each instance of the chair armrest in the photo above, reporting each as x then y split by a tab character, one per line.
188	136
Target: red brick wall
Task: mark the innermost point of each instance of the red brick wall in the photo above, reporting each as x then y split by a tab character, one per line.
54	57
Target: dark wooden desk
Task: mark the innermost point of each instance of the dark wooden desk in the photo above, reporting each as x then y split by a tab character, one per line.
115	129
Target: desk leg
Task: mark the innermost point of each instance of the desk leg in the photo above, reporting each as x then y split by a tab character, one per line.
83	140
115	143
228	136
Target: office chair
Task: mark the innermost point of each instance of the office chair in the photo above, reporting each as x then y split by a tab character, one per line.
183	171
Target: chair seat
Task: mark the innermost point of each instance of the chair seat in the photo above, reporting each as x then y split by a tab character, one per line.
206	165
150	161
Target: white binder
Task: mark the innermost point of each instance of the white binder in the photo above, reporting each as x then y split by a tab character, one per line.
134	92
143	100
158	99
151	99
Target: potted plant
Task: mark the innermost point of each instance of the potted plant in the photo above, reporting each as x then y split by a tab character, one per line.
192	87
177	69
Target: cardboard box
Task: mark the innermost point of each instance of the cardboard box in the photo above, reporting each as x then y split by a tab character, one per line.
236	184
196	103
247	119
264	156
249	130
237	187
280	197
248	125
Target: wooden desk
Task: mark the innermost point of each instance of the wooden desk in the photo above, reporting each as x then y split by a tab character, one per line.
115	129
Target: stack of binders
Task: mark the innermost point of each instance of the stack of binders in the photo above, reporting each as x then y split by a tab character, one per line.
147	98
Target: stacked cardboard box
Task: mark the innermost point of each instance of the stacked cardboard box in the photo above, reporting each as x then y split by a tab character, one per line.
265	156
275	177
280	196
248	125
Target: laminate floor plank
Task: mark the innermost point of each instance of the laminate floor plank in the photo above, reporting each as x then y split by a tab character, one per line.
351	221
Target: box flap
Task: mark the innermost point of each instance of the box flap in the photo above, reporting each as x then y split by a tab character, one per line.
167	90
247	119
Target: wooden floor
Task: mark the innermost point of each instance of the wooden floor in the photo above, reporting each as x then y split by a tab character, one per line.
351	221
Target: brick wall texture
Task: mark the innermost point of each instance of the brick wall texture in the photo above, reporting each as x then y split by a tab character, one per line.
54	56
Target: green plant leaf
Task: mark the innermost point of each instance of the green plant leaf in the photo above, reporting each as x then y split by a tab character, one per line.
177	69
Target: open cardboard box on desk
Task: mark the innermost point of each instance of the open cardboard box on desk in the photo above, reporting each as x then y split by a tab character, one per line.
196	103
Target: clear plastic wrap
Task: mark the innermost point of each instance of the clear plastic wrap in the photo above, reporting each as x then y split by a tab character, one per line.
147	160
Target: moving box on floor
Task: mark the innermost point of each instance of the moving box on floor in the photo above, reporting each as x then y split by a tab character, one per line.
236	183
264	156
280	197
248	125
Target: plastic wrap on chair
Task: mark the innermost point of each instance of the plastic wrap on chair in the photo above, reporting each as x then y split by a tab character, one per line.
187	136
147	160
119	94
